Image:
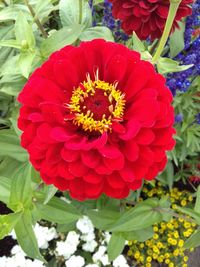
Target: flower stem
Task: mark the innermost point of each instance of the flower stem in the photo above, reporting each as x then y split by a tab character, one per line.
37	21
174	5
80	11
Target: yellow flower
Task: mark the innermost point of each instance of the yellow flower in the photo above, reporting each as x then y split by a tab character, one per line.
155	236
141	245
149	259
155	256
159	245
185	258
156	250
167	261
176	234
180	243
130	253
160	259
171	264
190	198
148	264
183	203
137	255
155	228
176	252
187	224
185	265
167	255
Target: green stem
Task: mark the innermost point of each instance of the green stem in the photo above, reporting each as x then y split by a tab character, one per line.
37	21
174	5
80	11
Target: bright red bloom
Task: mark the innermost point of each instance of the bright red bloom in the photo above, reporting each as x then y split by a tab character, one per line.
96	119
147	17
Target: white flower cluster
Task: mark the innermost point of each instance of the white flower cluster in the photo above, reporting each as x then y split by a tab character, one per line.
18	259
68	248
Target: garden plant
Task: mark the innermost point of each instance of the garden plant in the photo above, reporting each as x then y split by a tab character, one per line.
99	133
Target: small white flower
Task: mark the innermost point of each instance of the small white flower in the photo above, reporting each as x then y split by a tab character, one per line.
99	254
90	246
105	261
84	225
68	247
120	261
44	234
16	250
88	237
3	261
75	261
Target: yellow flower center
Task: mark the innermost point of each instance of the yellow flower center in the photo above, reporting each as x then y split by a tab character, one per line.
96	104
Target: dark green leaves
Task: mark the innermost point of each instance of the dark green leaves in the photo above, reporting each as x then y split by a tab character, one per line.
4	189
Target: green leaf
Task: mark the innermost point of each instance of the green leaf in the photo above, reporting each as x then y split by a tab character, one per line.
57	210
23	31
197	203
8	222
141	216
193	241
21	190
137	43
5	184
10	145
77	12
10	43
25	62
176	41
97	32
60	38
115	246
26	236
51	190
103	219
139	235
11	12
191	213
167	65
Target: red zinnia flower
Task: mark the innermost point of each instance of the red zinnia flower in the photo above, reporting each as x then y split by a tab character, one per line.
147	17
96	119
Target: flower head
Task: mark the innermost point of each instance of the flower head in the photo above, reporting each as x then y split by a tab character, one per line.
96	119
147	17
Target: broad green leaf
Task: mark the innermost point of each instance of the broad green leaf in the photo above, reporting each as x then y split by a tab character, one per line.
77	13
97	32
139	235
51	190
10	146
8	222
23	31
10	43
197	204
176	41
115	246
57	210
64	228
25	62
167	65
26	236
59	39
193	241
141	216
12	11
103	219
4	189
43	8
21	190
